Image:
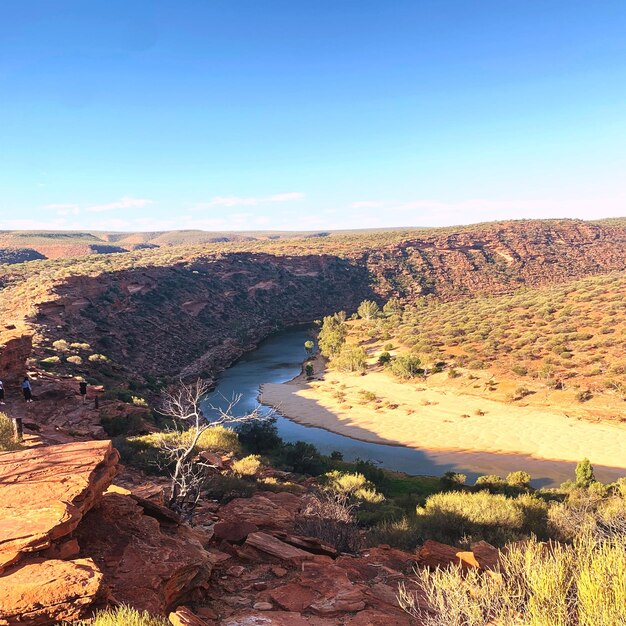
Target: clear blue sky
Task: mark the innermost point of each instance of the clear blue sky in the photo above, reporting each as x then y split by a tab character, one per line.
309	114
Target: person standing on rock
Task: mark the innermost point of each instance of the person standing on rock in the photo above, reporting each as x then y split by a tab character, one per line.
82	386
27	390
1	392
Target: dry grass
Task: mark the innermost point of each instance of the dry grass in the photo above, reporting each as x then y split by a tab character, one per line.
583	584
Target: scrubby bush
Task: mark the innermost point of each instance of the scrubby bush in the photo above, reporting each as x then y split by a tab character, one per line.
260	436
74	360
353	487
332	522
384	358
124	616
584	473
115	425
583	584
350	359
455	516
368	309
60	345
248	466
406	366
7	434
225	488
302	458
519	479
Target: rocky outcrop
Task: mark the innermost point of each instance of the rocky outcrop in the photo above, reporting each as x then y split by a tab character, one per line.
481	555
15	347
69	545
197	313
147	564
45	492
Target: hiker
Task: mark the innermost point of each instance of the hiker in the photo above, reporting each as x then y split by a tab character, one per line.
27	390
82	385
1	392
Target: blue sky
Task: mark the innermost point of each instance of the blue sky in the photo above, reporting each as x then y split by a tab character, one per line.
302	114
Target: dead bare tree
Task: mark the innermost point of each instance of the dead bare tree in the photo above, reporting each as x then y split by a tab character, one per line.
188	470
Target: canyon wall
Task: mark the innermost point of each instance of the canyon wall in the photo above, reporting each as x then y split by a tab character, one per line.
196	316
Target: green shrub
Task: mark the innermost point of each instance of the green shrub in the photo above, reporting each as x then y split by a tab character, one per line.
350	359
218	439
248	466
7	434
368	309
352	486
260	436
406	366
518	479
115	426
384	358
403	534
584	473
455	516
226	488
124	616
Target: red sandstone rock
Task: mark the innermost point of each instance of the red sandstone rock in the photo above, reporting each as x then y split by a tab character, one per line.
234	532
46	491
147	566
265	510
293	597
486	555
183	616
266	618
39	592
275	547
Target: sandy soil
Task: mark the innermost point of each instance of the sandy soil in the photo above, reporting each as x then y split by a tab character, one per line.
440	417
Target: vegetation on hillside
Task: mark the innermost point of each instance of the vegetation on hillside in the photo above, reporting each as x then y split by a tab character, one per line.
571	335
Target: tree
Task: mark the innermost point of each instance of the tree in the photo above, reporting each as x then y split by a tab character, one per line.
584	473
332	335
392	307
406	366
188	471
351	359
308	346
519	479
368	310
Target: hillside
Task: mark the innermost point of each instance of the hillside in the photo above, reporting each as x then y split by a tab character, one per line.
196	308
572	334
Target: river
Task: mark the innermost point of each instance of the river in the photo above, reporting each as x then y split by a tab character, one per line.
279	359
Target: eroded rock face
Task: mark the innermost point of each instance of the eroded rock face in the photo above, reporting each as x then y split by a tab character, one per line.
146	565
45	492
68	547
39	592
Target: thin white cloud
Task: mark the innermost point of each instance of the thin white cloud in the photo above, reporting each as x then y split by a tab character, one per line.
125	202
367	204
232	201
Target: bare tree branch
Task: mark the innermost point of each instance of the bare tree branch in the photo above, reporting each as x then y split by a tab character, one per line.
189	473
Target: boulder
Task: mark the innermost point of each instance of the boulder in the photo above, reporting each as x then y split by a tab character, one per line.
147	565
276	548
486	555
45	492
39	592
183	616
434	554
233	532
265	510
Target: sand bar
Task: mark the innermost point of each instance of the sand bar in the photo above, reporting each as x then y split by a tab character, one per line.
438	419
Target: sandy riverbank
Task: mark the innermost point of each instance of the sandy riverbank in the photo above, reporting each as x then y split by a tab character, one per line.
436	418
